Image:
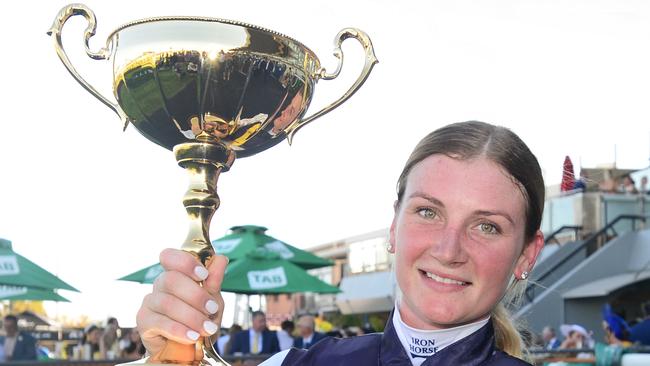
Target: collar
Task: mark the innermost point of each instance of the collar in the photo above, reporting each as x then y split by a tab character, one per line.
474	349
308	339
252	334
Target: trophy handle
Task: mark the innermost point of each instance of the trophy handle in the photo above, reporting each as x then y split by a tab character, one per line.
371	60
103	54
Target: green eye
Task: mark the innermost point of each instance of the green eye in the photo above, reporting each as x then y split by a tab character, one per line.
488	228
427	213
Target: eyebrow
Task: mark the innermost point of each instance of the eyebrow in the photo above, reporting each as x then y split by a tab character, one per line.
495	213
427	197
437	202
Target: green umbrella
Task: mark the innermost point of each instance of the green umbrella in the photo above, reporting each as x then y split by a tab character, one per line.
17	270
260	272
145	275
246	238
236	245
265	272
9	292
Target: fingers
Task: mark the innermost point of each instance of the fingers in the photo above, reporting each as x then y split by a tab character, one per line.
179	308
179	311
216	271
156	329
183	262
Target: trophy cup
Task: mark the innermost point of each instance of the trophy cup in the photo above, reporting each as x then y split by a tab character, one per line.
210	90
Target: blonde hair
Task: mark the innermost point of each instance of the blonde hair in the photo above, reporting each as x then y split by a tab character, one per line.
508	332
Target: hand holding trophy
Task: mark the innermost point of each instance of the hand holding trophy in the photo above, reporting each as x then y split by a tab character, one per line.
210	90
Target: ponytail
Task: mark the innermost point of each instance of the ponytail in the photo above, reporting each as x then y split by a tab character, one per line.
507	333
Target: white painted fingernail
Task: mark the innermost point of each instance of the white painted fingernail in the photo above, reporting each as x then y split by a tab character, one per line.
192	335
210	327
211	306
201	272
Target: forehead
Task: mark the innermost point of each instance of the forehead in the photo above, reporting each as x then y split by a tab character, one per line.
476	184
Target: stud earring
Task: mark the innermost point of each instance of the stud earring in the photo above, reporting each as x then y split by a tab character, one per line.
389	247
524	275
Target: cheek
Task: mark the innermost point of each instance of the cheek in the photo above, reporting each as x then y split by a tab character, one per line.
410	243
494	265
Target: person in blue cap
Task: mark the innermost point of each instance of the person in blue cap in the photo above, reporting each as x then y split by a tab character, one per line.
465	235
617	332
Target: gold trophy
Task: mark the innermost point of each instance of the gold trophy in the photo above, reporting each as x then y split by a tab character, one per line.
210	90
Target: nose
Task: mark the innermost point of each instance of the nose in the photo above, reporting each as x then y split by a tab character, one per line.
447	247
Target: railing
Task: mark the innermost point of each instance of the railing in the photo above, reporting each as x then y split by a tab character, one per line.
600	237
553	235
542	356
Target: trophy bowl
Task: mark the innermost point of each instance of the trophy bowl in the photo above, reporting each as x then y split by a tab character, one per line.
210	90
246	87
175	78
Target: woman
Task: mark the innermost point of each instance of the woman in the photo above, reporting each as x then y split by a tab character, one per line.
465	236
132	347
90	347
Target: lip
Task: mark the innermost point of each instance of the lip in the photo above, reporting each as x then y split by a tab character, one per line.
443	286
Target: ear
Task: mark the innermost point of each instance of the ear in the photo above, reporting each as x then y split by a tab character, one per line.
529	255
391	237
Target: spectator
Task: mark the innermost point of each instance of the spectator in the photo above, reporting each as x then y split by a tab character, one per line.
132	347
224	343
257	339
109	345
644	185
580	184
285	337
616	329
627	185
575	337
550	340
308	336
17	345
90	347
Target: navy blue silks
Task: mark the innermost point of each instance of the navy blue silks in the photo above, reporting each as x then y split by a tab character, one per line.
386	349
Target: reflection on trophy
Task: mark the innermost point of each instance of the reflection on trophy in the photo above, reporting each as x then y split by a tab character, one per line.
210	90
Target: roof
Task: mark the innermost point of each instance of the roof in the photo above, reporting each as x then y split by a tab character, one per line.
607	285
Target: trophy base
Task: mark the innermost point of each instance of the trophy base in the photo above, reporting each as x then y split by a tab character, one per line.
205	362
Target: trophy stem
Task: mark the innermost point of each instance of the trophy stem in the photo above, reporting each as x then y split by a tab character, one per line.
204	159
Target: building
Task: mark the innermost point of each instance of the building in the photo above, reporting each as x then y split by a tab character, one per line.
362	270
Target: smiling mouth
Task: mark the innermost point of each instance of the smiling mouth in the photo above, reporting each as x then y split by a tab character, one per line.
447	281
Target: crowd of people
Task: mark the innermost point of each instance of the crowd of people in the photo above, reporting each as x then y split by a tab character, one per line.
97	343
110	342
258	339
618	333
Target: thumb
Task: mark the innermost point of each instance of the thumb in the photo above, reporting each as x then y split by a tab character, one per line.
216	272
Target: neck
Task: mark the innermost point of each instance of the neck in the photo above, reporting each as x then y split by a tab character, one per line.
419	321
420	344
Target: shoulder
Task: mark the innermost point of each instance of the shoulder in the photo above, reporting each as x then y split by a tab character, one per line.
335	351
500	358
